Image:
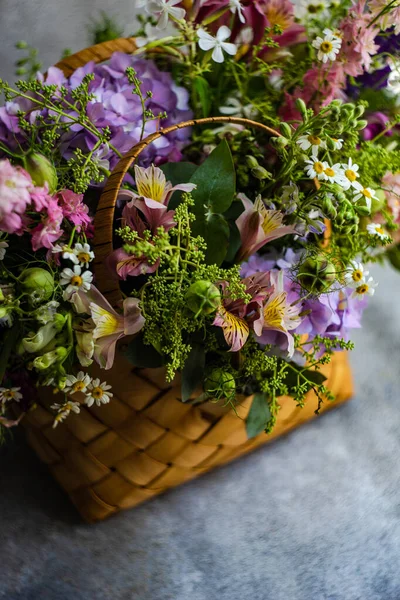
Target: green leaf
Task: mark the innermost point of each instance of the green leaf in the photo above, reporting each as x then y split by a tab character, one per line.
315	376
178	173
216	182
234	242
193	371
9	342
143	356
215	231
202	88
259	415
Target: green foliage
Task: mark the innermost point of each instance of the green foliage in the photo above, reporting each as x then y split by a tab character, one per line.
105	29
259	416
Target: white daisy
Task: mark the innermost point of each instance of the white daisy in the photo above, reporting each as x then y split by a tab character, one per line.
217	44
333	174
77	384
10	394
84	254
315	168
164	10
377	230
98	392
355	274
67	252
75	280
337	143
350	172
235	6
59	417
311	9
328	47
311	141
3	246
365	288
366	193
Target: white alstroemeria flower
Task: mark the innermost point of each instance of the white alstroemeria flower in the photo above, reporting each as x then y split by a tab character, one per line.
328	47
165	9
10	394
98	392
367	193
78	383
333	174
311	141
377	230
315	168
365	288
355	274
217	43
350	172
75	280
235	6
337	143
3	246
84	254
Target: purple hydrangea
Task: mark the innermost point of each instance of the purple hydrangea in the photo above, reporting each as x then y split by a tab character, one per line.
331	315
116	107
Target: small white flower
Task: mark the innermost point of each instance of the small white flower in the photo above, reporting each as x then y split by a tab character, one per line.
77	384
9	394
365	288
311	141
355	274
75	280
67	252
366	193
377	230
337	143
311	9
217	43
315	168
235	6
84	254
3	246
333	174
60	417
165	9
350	172
393	82
99	156
64	410
151	34
98	393
328	47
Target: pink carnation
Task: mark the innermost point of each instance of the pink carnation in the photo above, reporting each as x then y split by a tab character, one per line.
15	186
49	231
74	209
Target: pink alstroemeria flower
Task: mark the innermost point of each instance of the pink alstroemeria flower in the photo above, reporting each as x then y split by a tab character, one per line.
109	325
257	226
236	318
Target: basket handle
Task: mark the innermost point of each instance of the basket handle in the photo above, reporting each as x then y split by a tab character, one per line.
98	53
104	218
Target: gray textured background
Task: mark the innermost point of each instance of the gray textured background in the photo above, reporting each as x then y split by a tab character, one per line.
315	516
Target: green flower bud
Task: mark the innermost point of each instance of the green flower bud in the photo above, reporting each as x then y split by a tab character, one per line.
41	170
251	161
203	297
36	279
363	210
359	111
3	311
21	45
329	208
330	143
220	384
361	124
285	129
317	274
41	363
301	107
261	173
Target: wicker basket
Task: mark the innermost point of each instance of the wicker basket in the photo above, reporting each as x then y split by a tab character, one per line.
145	441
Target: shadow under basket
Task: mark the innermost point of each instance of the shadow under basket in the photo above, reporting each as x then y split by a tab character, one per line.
146	440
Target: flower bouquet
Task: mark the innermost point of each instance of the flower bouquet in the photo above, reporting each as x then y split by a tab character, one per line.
186	217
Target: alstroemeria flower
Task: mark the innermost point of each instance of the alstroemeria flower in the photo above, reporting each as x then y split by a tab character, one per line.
279	314
258	226
237	318
153	188
109	325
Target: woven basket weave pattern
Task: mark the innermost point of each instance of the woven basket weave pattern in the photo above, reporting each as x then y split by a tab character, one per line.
145	441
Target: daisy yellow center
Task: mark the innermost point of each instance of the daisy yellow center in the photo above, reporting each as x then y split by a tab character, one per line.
362	289
9	395
380	230
314	140
350	174
76	281
97	393
274	312
366	193
326	47
357	275
83	257
318	167
330	172
78	386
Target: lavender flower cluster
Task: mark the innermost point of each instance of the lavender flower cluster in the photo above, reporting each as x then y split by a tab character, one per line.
114	106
